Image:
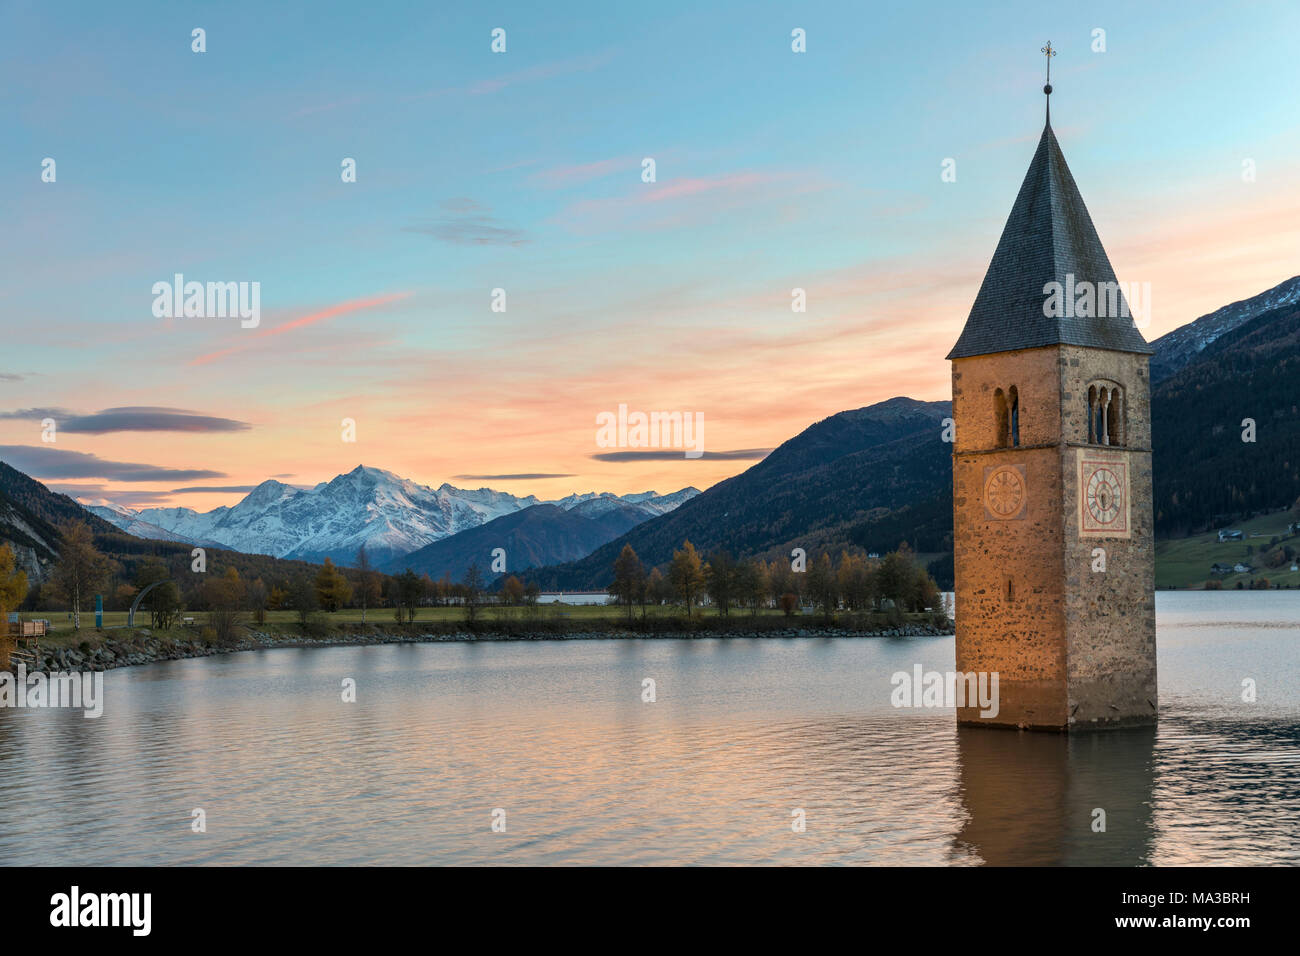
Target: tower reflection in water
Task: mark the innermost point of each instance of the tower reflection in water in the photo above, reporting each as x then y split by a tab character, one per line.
1030	799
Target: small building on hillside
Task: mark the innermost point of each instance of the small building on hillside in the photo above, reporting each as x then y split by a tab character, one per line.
573	597
1218	568
1242	568
1229	536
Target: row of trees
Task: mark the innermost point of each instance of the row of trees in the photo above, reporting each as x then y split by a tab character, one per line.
853	583
82	571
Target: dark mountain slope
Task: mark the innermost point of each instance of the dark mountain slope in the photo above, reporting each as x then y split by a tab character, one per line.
844	480
30	516
1205	474
880	475
1180	347
540	535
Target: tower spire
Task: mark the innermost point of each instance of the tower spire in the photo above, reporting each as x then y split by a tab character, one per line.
1048	52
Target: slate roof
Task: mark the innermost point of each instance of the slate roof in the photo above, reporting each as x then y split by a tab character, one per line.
1048	236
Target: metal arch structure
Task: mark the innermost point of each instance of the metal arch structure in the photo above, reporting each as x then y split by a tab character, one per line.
130	615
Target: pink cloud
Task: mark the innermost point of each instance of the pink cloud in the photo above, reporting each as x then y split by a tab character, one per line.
562	176
343	308
544	71
707	197
694	187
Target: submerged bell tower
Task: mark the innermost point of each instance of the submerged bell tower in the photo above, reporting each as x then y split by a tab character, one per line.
1052	519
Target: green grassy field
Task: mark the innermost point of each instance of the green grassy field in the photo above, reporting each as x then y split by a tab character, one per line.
1185	562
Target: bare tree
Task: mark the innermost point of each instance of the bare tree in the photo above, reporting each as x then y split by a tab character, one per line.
367	586
473	585
81	567
629	578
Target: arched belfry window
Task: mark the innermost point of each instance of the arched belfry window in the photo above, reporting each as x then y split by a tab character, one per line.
1106	414
1013	401
1092	414
1006	417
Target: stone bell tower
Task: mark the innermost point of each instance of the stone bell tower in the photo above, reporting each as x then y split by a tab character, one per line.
1052	522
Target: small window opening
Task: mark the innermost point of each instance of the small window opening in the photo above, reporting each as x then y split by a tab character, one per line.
1002	419
1014	401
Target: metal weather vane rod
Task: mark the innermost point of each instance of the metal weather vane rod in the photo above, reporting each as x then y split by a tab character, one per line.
1048	52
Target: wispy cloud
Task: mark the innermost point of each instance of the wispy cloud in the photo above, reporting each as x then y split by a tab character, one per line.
343	308
668	454
146	418
561	176
658	192
99	495
212	489
34	414
129	418
468	223
672	203
56	463
520	477
532	74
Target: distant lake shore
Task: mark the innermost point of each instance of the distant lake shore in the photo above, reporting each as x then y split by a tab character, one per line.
106	650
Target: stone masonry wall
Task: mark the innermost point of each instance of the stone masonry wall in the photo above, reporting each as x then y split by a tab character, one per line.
1021	635
1110	614
1074	646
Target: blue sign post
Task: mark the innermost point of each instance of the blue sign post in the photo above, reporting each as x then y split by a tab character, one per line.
99	612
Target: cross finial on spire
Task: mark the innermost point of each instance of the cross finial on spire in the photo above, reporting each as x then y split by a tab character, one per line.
1048	52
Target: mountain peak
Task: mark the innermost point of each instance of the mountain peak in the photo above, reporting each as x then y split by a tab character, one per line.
1180	347
267	493
390	514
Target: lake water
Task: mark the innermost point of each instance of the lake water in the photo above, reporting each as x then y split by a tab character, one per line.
742	733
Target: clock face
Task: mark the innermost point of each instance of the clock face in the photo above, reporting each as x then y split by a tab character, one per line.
1004	492
1105	495
1103	498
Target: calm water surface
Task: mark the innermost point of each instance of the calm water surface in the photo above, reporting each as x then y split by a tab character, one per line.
742	733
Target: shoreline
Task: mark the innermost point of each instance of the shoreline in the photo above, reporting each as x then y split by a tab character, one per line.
107	653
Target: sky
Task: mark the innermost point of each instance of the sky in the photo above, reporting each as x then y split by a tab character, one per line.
523	171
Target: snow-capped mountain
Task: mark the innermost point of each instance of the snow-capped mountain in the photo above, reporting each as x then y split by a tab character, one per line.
391	515
592	504
1183	344
130	522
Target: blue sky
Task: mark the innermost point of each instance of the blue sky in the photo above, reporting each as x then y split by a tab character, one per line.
522	171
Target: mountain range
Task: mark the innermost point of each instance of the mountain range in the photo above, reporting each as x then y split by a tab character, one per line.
528	538
866	478
877	476
390	515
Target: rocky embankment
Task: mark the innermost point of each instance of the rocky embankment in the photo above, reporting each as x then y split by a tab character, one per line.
99	652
